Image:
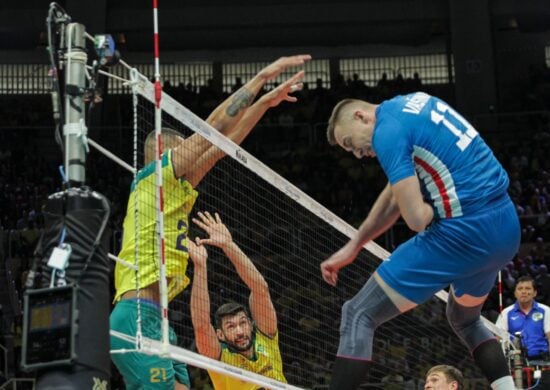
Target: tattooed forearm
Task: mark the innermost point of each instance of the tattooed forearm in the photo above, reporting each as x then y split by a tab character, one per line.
242	99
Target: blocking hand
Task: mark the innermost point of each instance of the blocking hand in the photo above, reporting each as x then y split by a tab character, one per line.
276	68
218	232
282	93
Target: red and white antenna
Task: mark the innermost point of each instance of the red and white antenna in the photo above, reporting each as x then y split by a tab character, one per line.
158	181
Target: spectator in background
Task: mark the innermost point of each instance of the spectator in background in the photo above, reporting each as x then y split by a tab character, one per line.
530	318
416	83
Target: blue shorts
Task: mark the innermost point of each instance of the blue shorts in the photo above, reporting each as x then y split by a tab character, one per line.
142	371
465	252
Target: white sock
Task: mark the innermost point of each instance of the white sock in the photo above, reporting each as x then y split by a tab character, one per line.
504	383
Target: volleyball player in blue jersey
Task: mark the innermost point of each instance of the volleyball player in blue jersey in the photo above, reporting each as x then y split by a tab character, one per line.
447	185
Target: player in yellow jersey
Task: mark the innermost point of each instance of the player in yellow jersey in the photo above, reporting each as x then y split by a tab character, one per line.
248	342
184	164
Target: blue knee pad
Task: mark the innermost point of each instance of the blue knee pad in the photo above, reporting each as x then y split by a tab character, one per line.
466	323
361	315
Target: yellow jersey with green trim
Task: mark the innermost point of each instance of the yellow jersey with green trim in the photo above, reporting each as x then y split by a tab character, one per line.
267	362
179	198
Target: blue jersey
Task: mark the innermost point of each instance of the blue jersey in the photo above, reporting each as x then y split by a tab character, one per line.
533	326
421	134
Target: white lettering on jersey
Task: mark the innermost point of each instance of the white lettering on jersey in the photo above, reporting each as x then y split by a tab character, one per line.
416	103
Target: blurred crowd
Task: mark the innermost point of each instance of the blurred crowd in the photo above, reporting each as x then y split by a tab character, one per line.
28	174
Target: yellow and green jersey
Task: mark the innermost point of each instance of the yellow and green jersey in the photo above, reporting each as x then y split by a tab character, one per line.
266	361
179	198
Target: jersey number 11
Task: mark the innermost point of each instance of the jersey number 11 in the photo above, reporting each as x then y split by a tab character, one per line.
464	136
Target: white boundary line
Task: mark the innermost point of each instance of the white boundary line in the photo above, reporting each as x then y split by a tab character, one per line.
152	347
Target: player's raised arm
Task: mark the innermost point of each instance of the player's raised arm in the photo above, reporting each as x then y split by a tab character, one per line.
249	120
226	116
261	306
205	335
383	215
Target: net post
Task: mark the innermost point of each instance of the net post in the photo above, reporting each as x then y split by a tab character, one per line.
73	242
75	130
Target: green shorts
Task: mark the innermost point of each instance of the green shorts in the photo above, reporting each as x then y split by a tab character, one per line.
142	371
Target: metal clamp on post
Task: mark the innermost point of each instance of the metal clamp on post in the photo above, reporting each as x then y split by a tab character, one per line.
80	130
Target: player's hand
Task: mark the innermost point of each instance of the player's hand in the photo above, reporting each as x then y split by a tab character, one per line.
331	266
197	253
276	68
218	232
274	97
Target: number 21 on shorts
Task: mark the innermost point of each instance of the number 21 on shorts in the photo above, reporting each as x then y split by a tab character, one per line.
452	123
158	375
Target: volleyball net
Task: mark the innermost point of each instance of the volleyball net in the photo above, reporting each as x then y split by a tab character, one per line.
286	234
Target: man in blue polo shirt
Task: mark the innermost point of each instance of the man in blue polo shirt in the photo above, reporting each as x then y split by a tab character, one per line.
530	318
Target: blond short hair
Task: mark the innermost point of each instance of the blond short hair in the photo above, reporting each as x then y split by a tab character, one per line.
338	113
170	138
451	373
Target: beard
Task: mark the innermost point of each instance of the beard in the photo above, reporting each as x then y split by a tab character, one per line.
240	348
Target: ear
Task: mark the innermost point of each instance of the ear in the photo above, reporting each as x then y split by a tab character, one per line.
220	335
363	115
358	114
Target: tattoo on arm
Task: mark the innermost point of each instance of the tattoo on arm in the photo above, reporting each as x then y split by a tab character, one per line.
243	98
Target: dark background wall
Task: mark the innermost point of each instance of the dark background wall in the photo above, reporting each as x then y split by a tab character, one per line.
492	42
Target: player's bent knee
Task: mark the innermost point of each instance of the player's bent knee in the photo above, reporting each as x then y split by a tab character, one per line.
466	323
361	315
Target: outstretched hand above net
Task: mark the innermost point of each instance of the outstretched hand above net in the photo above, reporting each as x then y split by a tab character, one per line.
282	93
276	68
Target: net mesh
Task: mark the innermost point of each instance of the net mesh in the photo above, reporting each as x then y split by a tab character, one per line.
287	241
